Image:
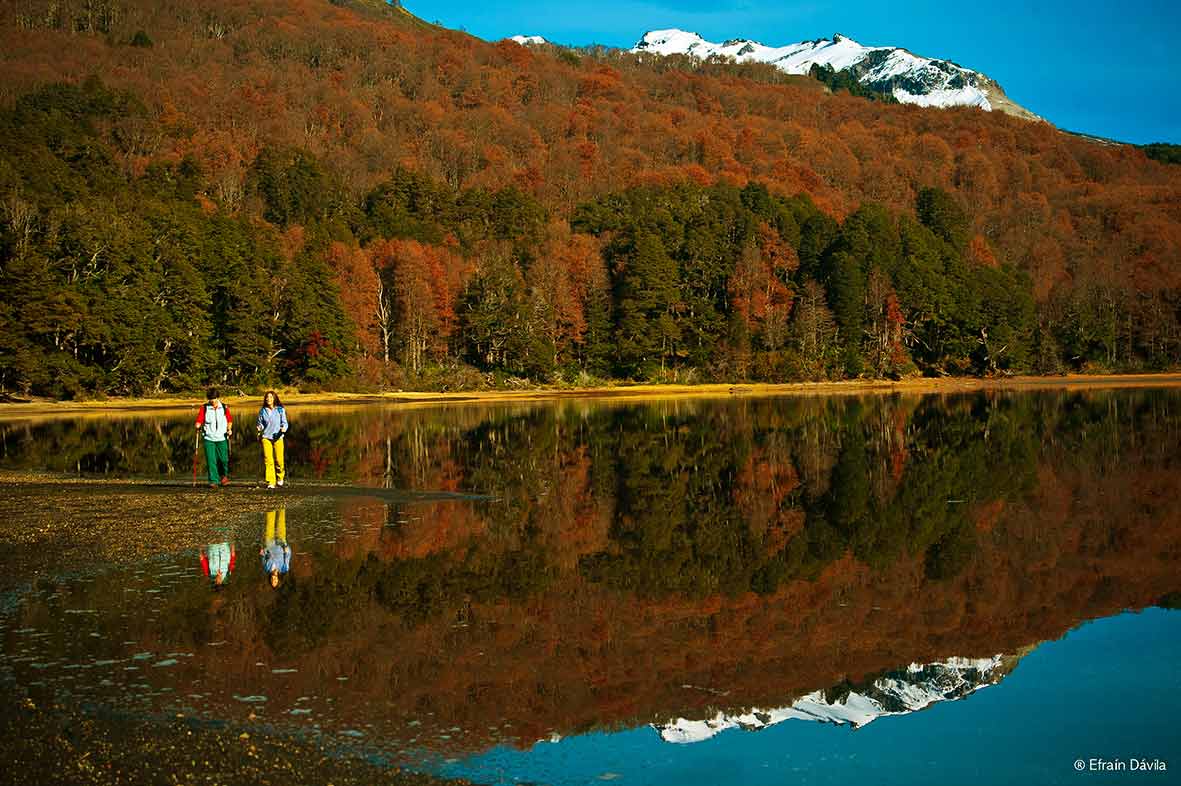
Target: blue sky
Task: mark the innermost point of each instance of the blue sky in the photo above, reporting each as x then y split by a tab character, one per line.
1103	68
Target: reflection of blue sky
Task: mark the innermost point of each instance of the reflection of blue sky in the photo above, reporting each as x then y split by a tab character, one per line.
1094	66
1108	689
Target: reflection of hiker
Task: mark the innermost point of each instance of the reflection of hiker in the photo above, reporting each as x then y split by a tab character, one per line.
217	424
272	427
276	554
217	561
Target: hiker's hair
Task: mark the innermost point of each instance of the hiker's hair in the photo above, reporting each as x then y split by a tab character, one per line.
211	394
278	403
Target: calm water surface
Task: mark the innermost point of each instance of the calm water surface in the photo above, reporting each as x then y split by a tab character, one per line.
969	589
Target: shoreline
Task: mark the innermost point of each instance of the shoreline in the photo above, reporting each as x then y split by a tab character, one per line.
913	386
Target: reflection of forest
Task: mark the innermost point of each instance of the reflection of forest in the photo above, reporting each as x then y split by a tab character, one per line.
757	550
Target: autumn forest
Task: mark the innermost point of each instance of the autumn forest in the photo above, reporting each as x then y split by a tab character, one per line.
339	195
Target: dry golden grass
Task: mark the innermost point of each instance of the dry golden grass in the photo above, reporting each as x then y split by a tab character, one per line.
44	409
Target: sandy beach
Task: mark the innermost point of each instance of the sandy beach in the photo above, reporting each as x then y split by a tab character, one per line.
45	408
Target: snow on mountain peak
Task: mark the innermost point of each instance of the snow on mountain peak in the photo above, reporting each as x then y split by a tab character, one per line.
911	79
669	42
908	77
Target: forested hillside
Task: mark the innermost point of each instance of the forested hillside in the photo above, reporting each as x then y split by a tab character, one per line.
342	195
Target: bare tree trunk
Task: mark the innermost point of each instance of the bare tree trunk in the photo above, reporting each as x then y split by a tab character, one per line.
163	366
383	320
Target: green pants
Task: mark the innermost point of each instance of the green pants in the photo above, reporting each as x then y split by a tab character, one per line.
217	459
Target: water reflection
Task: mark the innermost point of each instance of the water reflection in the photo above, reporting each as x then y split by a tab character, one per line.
688	566
218	561
897	692
276	551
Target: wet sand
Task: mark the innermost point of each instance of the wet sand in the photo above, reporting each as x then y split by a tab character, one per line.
45	409
61	523
58	526
62	745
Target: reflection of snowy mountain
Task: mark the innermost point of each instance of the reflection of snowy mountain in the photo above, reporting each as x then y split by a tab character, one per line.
894	693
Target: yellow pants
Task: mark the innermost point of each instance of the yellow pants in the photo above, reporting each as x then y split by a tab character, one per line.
270	535
272	454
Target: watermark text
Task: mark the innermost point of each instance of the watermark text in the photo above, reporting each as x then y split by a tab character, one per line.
1132	764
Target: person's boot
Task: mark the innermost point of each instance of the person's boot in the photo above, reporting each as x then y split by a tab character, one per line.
225	481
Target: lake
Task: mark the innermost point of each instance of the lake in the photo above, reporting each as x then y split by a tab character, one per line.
975	588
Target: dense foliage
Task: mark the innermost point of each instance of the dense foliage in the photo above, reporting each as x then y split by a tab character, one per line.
342	195
1162	151
846	80
125	284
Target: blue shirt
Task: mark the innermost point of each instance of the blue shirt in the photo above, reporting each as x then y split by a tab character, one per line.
276	556
272	422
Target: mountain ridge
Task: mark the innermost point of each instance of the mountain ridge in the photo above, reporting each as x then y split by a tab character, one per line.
908	77
886	70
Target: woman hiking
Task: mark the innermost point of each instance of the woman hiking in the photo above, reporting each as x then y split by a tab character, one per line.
272	426
216	423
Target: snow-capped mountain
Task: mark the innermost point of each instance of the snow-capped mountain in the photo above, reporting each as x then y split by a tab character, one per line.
893	693
529	40
910	78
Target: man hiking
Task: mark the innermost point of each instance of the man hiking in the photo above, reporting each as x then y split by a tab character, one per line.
216	424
